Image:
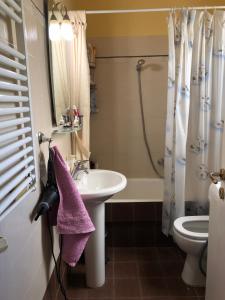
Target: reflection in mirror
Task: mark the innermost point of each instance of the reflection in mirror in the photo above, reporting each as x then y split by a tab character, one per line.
70	70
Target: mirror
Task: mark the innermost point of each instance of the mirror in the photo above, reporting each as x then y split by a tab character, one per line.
69	67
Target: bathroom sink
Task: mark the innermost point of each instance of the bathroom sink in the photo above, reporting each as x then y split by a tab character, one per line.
95	188
100	184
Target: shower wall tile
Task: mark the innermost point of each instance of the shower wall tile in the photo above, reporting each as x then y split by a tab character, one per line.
145	45
135	224
133	212
145	212
136	234
121	212
116	131
104	161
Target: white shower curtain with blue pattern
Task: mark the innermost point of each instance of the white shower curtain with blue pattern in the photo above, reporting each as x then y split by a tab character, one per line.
195	111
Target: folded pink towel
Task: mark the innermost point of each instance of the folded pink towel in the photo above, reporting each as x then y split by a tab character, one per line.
73	221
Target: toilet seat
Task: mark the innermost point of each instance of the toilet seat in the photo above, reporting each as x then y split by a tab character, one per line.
194	235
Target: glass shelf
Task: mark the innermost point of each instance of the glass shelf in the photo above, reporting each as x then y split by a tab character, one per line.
61	129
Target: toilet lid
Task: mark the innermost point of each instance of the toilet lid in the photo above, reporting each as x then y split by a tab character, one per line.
192	227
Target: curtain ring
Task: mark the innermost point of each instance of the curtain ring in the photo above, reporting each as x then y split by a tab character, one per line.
205	12
173	12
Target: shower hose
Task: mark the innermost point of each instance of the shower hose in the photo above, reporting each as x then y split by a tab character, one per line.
143	125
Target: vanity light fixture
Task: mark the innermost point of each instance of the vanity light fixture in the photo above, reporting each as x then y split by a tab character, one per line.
54	25
63	29
66	26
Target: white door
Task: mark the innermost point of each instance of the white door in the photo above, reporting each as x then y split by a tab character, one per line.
215	283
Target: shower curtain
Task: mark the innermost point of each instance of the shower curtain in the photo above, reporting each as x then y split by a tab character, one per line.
195	111
71	80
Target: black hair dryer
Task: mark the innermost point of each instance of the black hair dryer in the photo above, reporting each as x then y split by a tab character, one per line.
49	198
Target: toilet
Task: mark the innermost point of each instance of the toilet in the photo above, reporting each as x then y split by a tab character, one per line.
191	234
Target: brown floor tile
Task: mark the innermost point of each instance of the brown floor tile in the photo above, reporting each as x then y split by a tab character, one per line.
129	298
61	297
146	273
76	293
153	287
127	288
122	234
200	291
156	298
171	298
124	254
106	298
76	280
52	289
50	295
109	270
147	254
169	254
183	298
144	234
75	283
109	239
125	270
172	268
160	239
150	269
109	253
144	212
177	288
104	292
79	268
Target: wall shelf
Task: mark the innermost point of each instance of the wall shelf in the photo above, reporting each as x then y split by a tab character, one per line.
61	129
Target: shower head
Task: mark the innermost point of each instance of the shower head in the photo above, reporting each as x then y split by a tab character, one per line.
140	63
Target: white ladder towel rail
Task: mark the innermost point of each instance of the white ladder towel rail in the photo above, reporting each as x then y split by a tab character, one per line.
17	165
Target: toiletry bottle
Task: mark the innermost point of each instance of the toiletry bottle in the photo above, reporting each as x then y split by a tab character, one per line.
76	119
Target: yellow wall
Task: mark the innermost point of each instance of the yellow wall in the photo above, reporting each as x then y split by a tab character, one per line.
140	24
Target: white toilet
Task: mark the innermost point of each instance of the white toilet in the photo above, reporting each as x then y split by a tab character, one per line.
190	234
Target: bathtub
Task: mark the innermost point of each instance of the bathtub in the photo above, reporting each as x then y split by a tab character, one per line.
140	190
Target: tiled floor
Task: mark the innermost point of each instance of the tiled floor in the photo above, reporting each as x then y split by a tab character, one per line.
149	273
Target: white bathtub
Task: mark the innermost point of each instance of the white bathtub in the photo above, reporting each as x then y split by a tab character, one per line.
140	190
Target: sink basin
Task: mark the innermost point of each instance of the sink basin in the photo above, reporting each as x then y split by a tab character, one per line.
100	184
95	188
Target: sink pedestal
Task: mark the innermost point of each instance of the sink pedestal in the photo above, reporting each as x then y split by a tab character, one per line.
95	248
96	187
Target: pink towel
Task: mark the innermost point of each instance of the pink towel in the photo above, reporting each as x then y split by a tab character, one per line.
73	221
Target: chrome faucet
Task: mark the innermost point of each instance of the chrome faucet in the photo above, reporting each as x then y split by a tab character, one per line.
80	166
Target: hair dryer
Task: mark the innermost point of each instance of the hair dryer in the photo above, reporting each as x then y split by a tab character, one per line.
49	198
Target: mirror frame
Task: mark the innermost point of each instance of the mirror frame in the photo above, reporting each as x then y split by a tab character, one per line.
49	65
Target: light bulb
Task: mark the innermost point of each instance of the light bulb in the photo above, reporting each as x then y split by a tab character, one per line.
54	30
67	30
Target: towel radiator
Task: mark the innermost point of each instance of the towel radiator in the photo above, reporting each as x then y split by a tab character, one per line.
17	167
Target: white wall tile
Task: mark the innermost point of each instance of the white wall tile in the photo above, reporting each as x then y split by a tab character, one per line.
117	129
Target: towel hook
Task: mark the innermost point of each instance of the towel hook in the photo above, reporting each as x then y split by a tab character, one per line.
43	139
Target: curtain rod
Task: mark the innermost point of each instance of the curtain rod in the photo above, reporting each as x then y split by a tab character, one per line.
125	11
132	56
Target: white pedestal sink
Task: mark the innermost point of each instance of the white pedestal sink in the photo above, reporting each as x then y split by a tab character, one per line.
95	188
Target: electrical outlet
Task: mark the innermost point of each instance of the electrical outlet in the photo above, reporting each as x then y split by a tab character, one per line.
3	244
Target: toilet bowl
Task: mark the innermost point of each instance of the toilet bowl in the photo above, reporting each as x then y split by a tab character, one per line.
191	234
